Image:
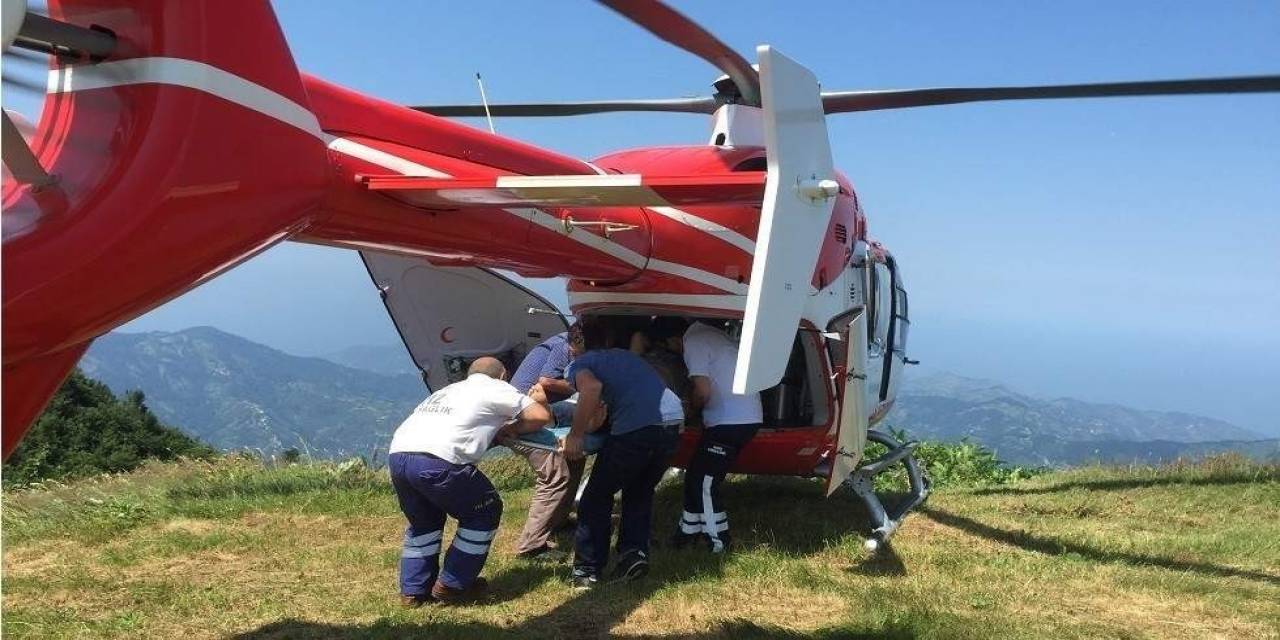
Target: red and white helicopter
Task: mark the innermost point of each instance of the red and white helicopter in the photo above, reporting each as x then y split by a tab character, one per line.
179	139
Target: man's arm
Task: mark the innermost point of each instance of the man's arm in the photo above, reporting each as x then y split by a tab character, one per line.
532	418
557	387
701	392
584	414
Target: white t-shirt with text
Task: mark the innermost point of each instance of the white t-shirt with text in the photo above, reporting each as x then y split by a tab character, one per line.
459	422
709	352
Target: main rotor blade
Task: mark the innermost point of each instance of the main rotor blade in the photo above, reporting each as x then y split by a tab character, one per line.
674	27
847	101
532	110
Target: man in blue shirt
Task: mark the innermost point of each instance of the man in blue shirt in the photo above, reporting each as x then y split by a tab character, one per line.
634	457
545	365
557	479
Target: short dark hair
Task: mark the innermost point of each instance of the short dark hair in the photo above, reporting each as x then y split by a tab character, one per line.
664	327
595	335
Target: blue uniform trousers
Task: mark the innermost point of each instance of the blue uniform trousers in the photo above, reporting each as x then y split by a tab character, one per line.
428	488
717	450
632	463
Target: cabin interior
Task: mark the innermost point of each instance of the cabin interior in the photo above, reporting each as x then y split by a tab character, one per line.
800	400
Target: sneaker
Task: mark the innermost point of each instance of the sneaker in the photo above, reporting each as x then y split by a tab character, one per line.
415	601
448	595
631	565
584	580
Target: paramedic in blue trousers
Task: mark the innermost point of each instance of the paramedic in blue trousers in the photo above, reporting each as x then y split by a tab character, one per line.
432	460
729	422
644	422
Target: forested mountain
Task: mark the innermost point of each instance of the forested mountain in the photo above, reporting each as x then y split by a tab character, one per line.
87	430
233	393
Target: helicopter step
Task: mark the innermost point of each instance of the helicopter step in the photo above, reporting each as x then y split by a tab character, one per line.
884	521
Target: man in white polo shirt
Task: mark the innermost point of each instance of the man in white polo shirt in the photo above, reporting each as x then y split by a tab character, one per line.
432	461
729	422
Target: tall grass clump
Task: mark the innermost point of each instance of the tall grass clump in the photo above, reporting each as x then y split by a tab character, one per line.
955	464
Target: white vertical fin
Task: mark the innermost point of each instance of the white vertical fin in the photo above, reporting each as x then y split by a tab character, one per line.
798	201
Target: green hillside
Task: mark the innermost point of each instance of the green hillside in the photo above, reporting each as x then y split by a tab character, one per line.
236	394
87	430
234	549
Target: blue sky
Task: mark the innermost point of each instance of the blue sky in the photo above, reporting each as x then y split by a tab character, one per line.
1112	250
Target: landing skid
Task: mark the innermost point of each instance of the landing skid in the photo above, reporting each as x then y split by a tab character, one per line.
884	522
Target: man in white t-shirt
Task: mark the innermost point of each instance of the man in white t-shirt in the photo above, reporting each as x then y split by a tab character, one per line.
432	460
729	422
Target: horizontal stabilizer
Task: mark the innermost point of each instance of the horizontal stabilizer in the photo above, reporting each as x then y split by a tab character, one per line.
624	190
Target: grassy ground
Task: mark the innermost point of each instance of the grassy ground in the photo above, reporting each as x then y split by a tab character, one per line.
232	549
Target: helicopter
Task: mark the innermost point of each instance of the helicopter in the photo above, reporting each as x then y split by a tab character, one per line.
178	140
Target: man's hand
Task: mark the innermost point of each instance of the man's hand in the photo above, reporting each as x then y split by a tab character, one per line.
538	394
572	447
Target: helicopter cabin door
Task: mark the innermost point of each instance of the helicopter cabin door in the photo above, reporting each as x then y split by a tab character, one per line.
851	429
449	316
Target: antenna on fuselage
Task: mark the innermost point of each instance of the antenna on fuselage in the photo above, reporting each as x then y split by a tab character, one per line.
485	101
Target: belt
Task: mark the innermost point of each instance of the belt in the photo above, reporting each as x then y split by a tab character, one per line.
423	453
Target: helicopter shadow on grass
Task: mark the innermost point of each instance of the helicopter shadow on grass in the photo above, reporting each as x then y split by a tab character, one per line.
1055	547
783	515
1121	484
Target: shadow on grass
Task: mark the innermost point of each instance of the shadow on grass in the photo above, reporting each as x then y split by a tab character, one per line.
786	515
1053	547
1120	484
731	630
884	562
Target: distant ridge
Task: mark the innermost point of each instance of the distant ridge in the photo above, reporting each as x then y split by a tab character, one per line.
1029	430
234	393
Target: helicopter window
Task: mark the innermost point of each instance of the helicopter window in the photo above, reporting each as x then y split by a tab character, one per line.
753	164
836	349
901	323
879	311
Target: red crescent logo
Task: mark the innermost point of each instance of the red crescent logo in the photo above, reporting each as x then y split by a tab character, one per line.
444	335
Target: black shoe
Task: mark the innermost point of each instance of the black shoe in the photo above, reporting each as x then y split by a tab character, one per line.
631	565
682	540
723	538
545	555
584	580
